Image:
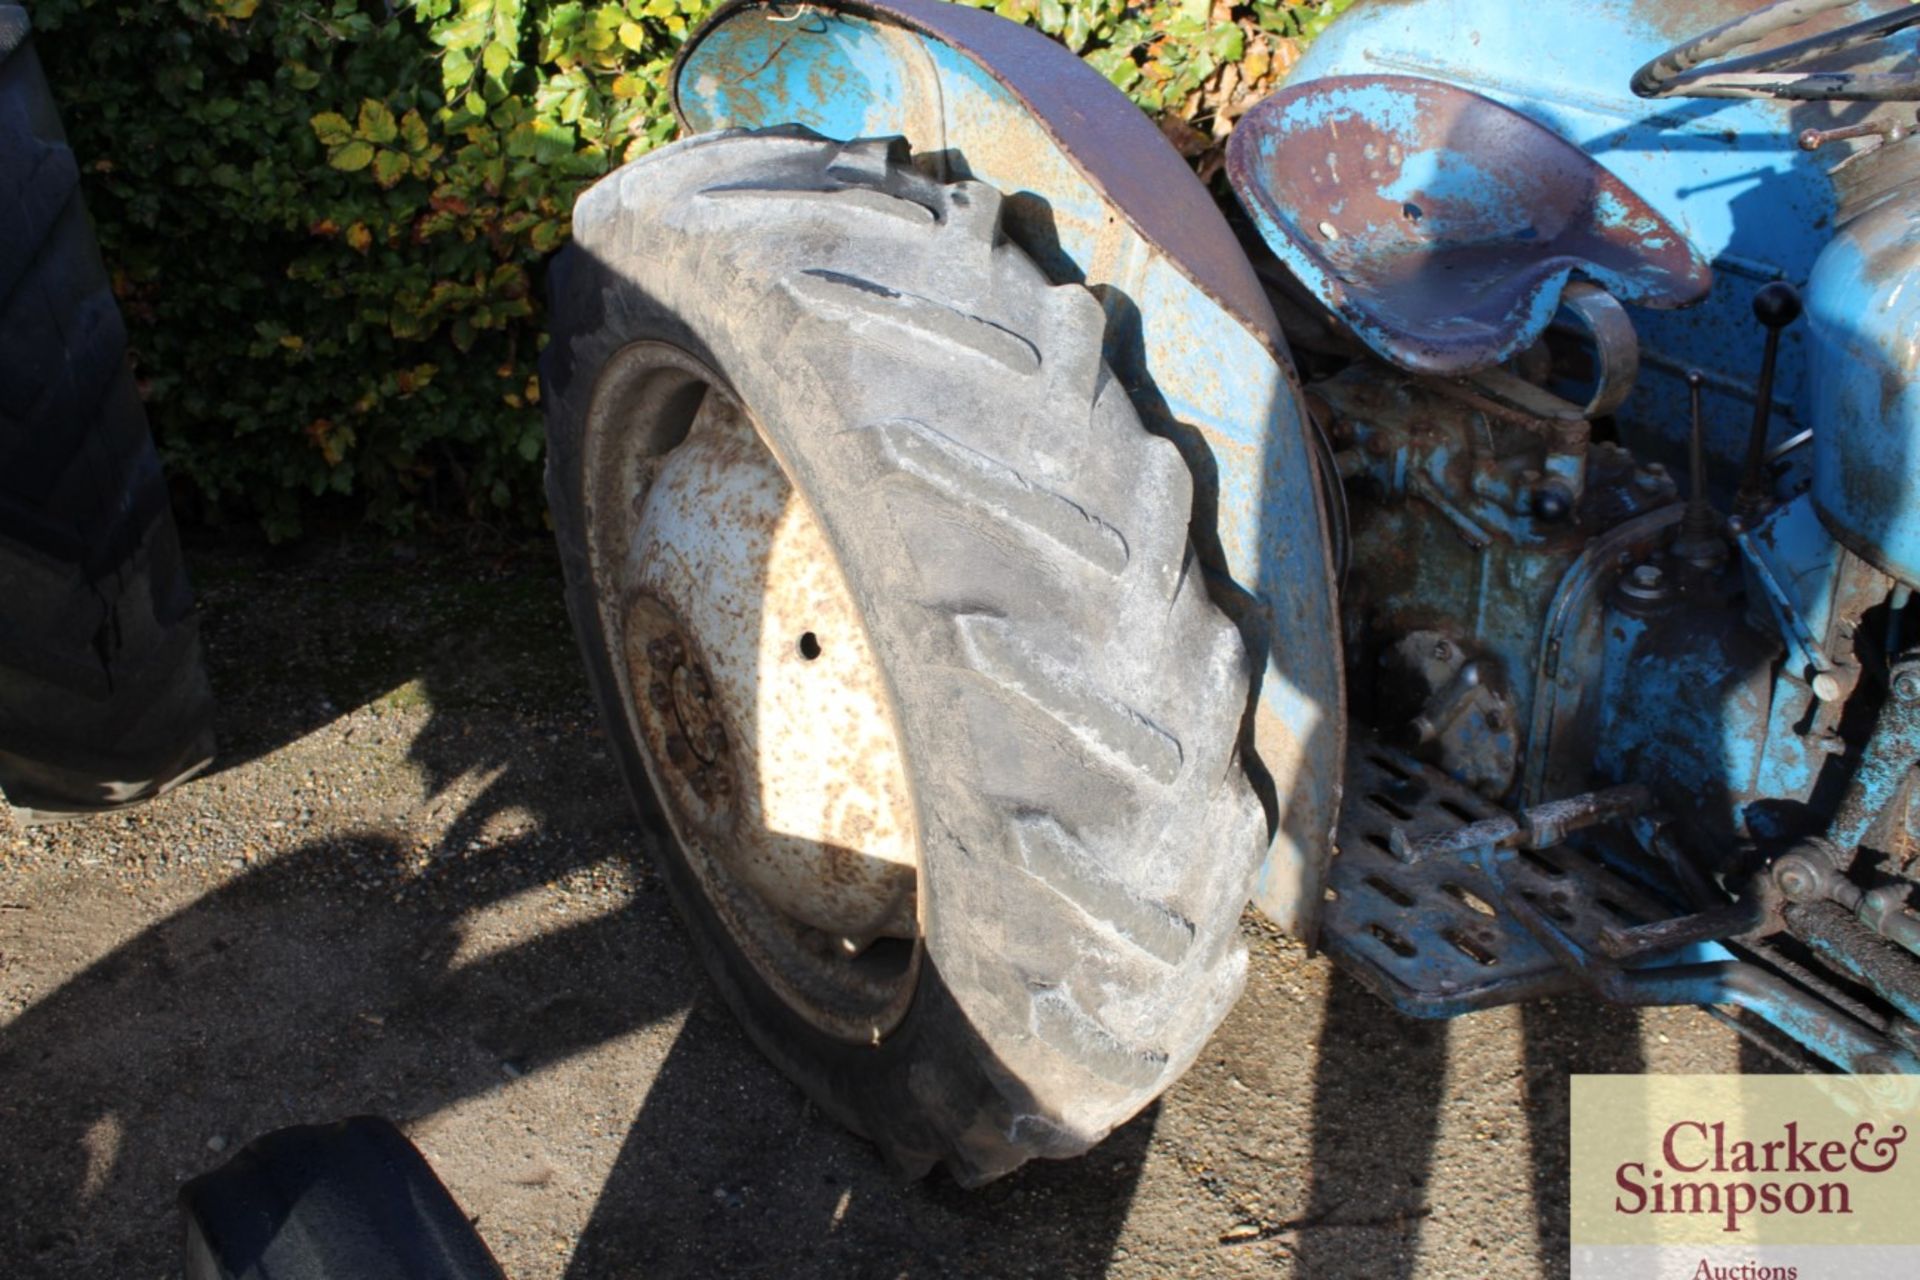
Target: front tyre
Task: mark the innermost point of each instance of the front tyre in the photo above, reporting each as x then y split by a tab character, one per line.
888	600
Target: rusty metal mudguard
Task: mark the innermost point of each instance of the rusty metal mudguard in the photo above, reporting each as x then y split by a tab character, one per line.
1098	197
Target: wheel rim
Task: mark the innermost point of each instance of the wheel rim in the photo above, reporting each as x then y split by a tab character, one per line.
753	695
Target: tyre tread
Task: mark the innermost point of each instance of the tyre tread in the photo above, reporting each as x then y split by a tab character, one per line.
103	697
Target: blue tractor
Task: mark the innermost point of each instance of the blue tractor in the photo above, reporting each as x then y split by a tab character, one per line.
1490	549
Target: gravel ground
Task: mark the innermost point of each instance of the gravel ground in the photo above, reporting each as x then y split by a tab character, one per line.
411	886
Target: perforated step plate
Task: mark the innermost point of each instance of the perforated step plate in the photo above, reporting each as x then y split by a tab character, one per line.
1439	937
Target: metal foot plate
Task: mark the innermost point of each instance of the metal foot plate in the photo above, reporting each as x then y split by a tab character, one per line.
1441	936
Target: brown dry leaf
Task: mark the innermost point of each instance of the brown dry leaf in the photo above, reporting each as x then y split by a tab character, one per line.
1286	52
1186	139
1226	100
1259	59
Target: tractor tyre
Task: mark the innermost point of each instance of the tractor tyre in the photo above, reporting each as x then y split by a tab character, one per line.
891	610
103	697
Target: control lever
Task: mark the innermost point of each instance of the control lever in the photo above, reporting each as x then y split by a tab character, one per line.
1776	306
1699	543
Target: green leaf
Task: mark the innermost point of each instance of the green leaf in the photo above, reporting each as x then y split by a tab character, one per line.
1116	65
351	157
1228	42
552	141
376	121
455	69
331	128
497	59
389	167
506	13
1079	29
468	31
413	131
405	324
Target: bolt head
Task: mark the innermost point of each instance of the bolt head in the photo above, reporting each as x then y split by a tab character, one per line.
1551	503
660	696
1906	685
716	738
678	751
1795	878
1826	688
1647	576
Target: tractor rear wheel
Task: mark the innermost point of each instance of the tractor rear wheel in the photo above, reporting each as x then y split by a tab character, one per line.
890	606
103	696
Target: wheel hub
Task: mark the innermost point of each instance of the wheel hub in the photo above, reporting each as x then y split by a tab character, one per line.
694	741
767	726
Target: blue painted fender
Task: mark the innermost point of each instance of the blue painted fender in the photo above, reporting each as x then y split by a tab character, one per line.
1098	197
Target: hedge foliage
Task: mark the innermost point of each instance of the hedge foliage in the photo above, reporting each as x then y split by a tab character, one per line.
326	219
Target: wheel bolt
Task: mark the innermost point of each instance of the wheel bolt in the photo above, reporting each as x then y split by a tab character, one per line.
716	738
662	651
660	696
721	782
697	680
678	751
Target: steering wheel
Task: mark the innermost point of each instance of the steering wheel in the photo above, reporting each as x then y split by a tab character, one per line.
1684	71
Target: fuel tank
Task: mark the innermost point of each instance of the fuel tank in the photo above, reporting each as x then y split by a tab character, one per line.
1863	308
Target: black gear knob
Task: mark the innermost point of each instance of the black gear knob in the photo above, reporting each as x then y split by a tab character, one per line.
1777	305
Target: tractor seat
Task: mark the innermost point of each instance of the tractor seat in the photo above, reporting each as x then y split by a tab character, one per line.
1441	226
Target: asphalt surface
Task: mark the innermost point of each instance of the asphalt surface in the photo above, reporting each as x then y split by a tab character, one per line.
412	886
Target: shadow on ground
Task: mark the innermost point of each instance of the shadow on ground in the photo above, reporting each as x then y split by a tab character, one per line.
336	977
329	979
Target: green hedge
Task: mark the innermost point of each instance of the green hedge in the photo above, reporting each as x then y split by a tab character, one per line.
326	220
